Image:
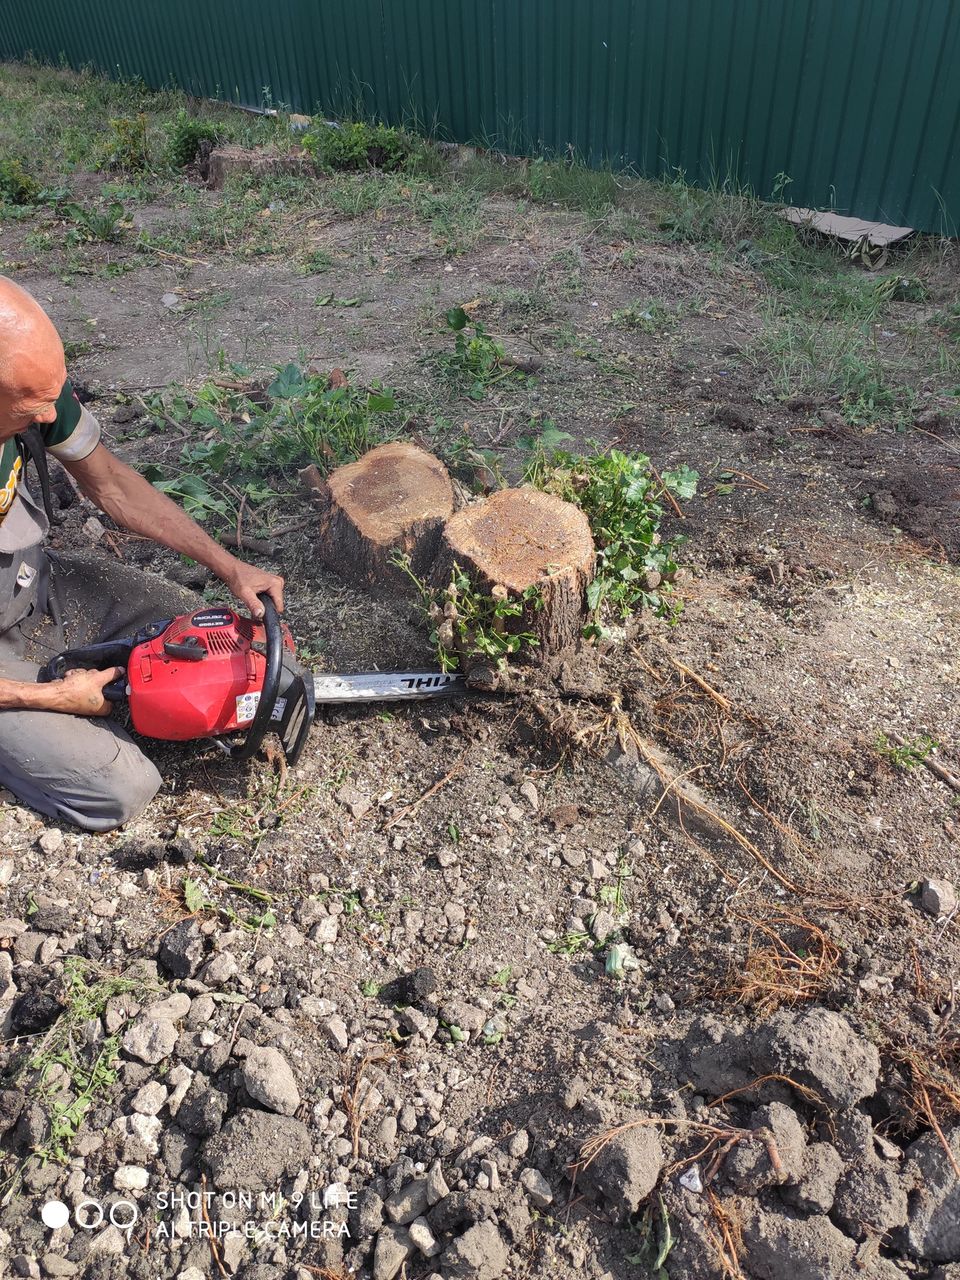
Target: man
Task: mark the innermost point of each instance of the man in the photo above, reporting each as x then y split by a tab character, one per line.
52	756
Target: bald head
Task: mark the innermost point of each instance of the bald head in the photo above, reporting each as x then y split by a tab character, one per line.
32	370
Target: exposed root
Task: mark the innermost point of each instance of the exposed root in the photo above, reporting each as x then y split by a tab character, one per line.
726	1237
932	1087
777	972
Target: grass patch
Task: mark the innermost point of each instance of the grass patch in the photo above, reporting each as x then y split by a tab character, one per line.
360	145
251	448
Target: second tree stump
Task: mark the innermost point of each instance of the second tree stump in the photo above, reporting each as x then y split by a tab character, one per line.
520	538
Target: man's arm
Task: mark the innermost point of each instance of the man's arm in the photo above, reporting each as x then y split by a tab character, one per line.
79	693
135	504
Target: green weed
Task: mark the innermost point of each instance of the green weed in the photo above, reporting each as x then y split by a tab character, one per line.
467	623
17	186
185	133
476	362
359	145
647	317
906	755
622	498
90	1068
127	147
249	450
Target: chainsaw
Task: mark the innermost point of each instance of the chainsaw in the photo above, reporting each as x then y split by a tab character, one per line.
217	674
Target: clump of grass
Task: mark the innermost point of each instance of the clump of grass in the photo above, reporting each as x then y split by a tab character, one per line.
359	145
647	317
89	1068
622	496
17	186
789	961
906	754
185	135
592	191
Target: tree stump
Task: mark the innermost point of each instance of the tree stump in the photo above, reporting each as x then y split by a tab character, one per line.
230	159
395	498
520	538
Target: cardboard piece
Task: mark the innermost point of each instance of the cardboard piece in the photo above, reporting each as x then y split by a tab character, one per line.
880	234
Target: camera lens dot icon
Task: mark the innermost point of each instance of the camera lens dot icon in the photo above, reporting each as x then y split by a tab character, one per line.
55	1214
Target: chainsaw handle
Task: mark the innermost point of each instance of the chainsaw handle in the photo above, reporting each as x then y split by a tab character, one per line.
260	723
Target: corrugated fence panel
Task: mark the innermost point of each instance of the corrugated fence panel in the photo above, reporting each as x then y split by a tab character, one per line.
856	101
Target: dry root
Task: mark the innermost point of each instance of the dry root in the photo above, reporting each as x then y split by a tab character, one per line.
779	972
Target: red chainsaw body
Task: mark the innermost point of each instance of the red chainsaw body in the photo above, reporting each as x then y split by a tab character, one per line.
200	678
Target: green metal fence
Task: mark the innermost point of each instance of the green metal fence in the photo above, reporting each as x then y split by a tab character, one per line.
856	101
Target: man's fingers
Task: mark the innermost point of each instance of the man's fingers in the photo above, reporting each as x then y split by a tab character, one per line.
108	676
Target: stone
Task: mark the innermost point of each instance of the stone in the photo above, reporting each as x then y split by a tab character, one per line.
820	1049
518	1144
255	1149
150	1040
268	1079
938	897
174	1008
437	1187
336	1030
182	949
51	841
55	1264
148	1100
479	1254
407	1203
537	1188
392	1250
221	969
396	498
933	1228
130	1177
423	1238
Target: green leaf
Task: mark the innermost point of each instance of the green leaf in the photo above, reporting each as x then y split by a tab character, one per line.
682	482
193	896
325	300
382	403
457	319
349	302
594	593
288	382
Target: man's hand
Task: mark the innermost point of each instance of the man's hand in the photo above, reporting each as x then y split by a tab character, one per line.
246	582
80	693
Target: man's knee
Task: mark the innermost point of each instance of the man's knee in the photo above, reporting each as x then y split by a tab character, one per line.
114	795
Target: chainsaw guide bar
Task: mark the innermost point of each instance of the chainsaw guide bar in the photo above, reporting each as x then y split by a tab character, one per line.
386	686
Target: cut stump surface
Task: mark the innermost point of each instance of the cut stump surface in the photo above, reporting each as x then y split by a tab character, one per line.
395	498
520	538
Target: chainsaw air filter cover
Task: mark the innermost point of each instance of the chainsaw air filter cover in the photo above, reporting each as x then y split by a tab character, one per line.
201	677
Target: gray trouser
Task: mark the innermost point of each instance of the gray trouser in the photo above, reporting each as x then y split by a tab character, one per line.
88	772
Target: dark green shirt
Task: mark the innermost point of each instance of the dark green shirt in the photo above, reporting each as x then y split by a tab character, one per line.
73	435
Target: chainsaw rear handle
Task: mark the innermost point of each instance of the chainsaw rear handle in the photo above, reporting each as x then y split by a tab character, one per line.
260	724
